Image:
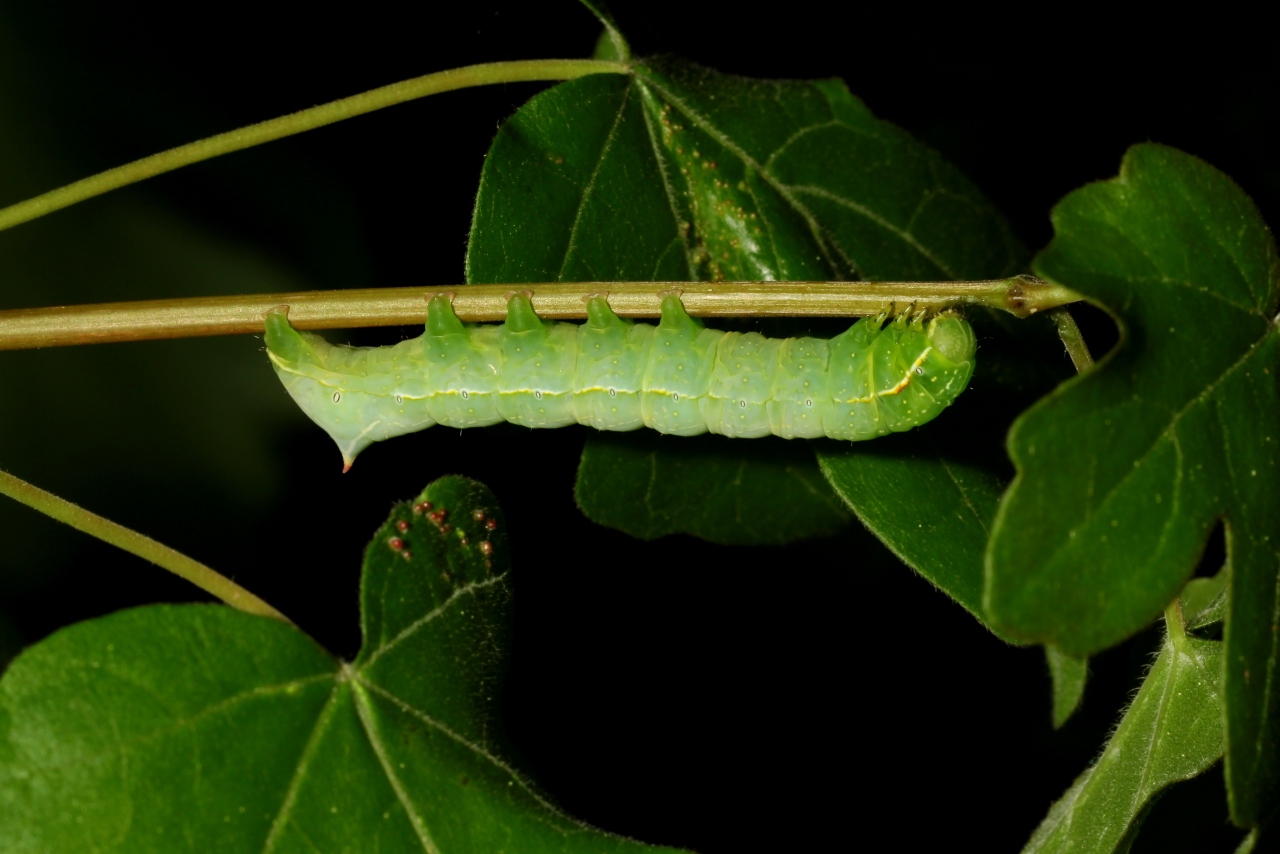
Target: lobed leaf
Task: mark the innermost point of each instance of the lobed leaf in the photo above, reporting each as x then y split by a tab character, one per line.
1123	473
1171	732
200	728
678	172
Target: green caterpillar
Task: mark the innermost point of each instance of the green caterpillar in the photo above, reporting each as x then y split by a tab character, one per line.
613	374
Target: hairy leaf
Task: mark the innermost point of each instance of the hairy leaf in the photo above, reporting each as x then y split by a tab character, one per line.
1123	473
1069	676
1204	600
1172	732
200	728
612	45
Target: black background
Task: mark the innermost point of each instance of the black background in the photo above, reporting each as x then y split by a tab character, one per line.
721	699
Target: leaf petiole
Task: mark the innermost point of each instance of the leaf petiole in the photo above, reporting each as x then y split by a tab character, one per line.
1072	339
207	579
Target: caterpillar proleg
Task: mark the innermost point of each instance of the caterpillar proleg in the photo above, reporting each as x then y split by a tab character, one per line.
882	375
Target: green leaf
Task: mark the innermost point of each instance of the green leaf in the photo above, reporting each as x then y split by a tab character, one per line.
954	501
1172	732
797	179
1204	600
931	495
612	45
775	498
570	191
1069	676
200	728
1123	473
678	173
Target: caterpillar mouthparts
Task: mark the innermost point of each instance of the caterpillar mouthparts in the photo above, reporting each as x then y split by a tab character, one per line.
882	375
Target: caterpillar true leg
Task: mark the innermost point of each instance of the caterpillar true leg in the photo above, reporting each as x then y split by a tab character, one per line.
886	373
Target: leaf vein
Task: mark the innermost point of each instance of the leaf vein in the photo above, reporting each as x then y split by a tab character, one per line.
473	747
862	210
719	136
591	182
964	496
177	726
667	188
295	782
1228	251
789	141
419	824
1176	417
417	624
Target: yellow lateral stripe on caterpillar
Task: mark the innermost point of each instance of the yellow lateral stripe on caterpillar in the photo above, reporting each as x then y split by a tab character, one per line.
613	374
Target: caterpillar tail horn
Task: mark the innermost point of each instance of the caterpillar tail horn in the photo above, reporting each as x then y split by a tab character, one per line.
321	378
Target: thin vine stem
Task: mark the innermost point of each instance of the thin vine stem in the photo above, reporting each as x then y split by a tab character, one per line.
485	74
1072	339
58	326
131	541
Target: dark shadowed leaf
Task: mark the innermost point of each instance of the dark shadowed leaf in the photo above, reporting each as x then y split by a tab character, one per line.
677	172
776	497
200	728
932	494
1123	473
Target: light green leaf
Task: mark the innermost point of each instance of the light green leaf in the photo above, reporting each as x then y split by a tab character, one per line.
612	45
1204	600
1123	473
200	728
1171	732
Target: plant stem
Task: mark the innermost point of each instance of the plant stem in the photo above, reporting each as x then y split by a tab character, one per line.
131	541
187	318
325	114
1073	340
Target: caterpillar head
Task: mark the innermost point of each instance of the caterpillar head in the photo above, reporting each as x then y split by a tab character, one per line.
952	337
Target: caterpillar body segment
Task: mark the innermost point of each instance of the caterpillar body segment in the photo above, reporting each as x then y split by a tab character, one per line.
882	375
